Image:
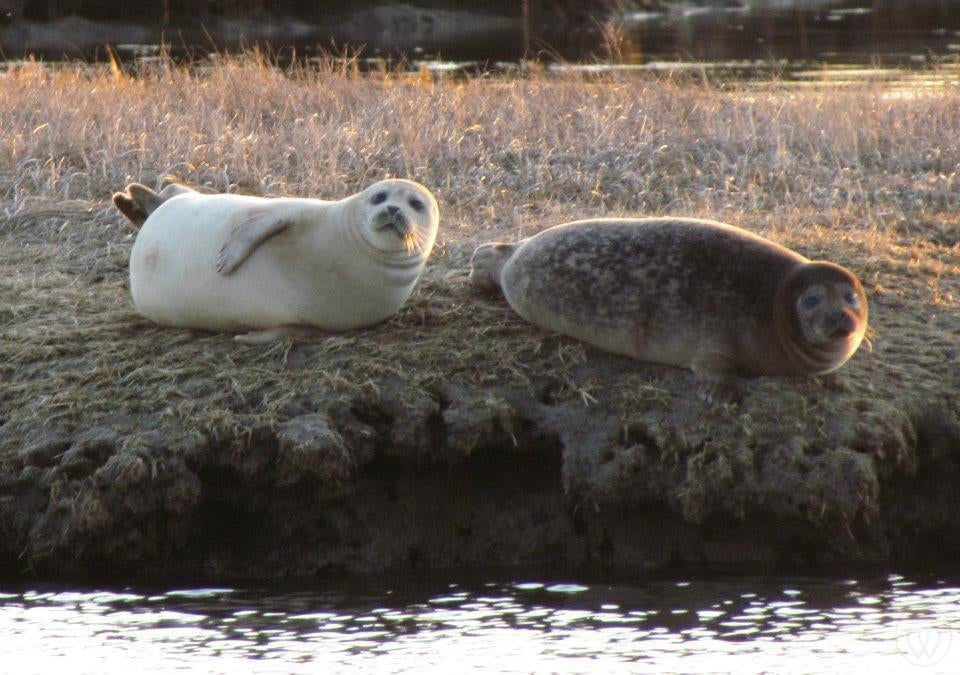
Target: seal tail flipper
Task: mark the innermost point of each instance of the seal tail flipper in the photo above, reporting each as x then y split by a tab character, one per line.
487	262
172	190
138	201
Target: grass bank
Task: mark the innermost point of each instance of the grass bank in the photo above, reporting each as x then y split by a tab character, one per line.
860	175
864	176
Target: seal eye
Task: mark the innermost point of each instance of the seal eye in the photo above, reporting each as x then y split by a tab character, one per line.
417	204
851	299
379	198
811	301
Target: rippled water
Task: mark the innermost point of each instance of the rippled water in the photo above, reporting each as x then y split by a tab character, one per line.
404	625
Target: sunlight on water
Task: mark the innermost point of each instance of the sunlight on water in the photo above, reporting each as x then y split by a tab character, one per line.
412	625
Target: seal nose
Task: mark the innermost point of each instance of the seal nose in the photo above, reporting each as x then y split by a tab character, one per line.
845	324
393	210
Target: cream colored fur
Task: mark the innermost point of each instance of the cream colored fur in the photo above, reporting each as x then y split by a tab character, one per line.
330	265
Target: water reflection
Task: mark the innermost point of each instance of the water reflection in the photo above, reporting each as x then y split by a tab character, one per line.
736	75
887	31
405	625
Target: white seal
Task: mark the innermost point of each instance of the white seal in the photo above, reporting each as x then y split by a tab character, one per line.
275	265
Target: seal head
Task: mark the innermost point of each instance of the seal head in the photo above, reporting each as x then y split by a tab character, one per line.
821	317
397	215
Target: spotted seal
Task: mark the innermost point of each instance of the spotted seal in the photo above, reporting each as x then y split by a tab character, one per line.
687	292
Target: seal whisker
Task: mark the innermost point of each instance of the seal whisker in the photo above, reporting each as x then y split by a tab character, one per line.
421	239
410	243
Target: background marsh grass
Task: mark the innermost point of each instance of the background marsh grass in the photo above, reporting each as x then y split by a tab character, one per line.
637	143
862	176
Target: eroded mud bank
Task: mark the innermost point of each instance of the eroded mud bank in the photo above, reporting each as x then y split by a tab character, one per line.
403	477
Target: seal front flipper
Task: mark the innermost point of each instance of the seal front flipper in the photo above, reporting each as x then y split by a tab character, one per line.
717	379
247	236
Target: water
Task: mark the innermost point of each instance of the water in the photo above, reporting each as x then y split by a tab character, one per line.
895	32
487	624
870	32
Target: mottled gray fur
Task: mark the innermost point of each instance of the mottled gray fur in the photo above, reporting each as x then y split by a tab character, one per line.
683	291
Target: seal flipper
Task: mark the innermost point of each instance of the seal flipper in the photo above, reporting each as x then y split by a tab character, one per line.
487	262
246	237
172	190
138	201
717	379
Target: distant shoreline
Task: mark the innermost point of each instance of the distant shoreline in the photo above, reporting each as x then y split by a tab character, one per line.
878	33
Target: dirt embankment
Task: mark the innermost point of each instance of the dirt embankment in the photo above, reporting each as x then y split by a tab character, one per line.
455	474
455	433
166	452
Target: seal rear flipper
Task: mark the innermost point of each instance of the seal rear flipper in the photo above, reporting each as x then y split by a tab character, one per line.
487	262
173	189
138	201
246	236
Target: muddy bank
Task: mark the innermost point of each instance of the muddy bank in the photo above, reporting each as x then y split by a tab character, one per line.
453	435
400	475
456	434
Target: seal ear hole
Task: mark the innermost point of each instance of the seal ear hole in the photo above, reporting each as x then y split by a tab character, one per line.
379	198
417	205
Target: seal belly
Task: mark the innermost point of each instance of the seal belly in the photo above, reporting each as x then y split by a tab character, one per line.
173	275
321	280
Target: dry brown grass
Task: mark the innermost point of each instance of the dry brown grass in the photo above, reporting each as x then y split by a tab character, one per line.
855	175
